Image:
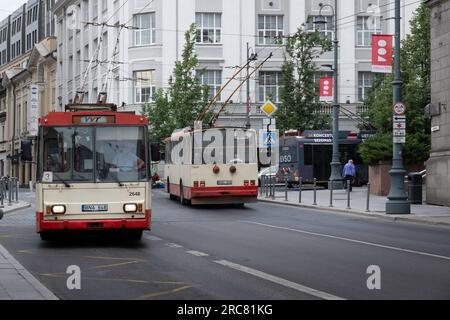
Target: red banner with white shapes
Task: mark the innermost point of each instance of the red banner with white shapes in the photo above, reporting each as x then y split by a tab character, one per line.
326	89
382	53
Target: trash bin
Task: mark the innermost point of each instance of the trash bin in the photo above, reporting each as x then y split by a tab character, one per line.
415	187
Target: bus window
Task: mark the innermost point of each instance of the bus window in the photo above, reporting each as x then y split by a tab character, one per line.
58	151
120	154
308	155
68	153
83	154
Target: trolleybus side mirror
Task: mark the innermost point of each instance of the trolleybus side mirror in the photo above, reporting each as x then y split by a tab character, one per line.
155	152
25	146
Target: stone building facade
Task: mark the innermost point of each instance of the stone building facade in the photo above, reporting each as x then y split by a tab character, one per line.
438	166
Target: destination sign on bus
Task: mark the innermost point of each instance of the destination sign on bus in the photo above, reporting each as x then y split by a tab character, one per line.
93	119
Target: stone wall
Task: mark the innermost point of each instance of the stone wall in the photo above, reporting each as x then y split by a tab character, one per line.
438	166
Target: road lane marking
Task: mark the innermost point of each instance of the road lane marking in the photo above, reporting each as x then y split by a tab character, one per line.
173	245
352	240
197	253
153	238
162	293
278	280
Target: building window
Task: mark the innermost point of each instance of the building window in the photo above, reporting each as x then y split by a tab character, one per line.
269	86
145	34
209	27
365	28
94	9
325	29
269	28
144	86
365	80
212	79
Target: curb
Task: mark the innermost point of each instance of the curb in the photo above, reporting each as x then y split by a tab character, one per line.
8	209
43	291
358	213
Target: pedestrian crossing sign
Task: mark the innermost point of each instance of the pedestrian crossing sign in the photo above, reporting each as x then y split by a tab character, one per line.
269	108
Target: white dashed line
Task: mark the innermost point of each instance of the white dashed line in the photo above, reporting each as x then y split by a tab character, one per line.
352	240
278	280
153	238
197	253
173	245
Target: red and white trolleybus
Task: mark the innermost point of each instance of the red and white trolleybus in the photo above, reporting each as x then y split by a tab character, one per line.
93	171
212	166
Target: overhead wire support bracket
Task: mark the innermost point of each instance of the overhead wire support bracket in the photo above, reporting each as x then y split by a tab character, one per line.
103	94
206	109
216	116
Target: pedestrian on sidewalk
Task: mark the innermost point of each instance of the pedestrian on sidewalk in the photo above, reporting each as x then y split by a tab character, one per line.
349	173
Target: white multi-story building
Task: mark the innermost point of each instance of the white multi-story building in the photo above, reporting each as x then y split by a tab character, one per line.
147	55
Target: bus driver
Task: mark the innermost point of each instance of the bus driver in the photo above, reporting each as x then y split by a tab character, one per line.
127	160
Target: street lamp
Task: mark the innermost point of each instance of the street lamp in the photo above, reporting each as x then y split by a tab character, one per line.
335	177
251	57
397	199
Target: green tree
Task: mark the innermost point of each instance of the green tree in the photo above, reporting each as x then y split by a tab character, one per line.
298	95
178	106
415	67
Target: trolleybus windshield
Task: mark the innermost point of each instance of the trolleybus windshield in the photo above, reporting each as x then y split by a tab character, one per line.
94	154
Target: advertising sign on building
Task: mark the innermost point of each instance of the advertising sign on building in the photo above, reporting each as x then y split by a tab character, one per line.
382	53
33	111
326	89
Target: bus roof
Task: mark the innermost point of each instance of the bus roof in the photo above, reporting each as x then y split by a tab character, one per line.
89	117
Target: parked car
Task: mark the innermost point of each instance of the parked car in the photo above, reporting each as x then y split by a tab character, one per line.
268	171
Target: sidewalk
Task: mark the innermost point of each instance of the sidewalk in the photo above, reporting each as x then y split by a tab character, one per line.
428	214
16	283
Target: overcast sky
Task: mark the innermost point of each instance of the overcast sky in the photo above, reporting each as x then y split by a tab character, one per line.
8	6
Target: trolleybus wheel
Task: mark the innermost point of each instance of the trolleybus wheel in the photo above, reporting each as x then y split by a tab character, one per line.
135	234
182	200
46	236
171	196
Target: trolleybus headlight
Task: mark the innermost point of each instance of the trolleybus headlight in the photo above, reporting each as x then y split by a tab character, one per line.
130	207
58	209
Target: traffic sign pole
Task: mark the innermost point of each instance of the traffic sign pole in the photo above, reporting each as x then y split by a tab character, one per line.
397	199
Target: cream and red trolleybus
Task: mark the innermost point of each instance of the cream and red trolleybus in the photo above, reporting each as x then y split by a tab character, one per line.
212	166
93	171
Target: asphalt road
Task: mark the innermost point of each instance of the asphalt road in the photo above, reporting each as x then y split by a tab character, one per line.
262	251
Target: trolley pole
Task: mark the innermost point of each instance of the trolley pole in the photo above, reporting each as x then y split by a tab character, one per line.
397	199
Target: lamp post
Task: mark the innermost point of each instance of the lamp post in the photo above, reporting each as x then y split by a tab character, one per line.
335	177
397	200
251	57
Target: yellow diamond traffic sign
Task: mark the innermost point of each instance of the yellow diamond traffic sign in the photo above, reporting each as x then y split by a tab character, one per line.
269	108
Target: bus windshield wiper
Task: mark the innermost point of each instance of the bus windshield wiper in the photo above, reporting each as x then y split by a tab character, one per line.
118	181
62	180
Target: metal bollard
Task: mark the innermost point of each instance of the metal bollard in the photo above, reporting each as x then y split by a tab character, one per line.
2	194
300	190
9	192
368	197
348	195
266	187
331	194
261	186
31	186
273	187
285	188
17	191
315	190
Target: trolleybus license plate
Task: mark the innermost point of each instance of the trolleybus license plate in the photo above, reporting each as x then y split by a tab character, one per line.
94	207
224	182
